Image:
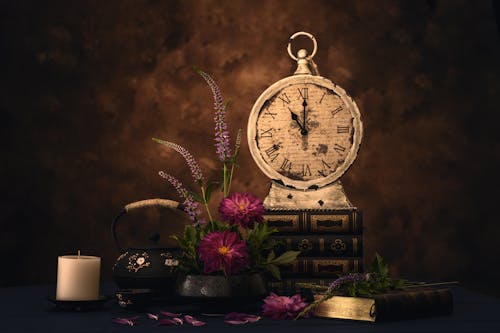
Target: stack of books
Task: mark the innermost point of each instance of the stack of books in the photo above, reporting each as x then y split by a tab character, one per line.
330	242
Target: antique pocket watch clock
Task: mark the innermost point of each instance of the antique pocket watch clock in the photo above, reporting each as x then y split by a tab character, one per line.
304	132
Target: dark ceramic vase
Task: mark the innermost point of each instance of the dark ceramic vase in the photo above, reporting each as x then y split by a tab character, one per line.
219	294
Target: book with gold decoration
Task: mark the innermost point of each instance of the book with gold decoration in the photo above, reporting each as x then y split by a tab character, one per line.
314	245
405	304
325	221
321	267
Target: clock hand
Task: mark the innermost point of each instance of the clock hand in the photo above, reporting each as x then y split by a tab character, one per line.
295	118
304	105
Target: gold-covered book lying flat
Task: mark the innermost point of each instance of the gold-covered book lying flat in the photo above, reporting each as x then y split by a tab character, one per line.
392	306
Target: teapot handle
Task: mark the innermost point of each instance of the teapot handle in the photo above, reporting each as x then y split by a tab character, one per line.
171	204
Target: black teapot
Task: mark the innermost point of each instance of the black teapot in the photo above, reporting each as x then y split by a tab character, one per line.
146	268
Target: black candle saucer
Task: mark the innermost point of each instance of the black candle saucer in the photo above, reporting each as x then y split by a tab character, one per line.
82	306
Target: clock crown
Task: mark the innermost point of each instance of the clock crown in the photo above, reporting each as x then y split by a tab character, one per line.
302	63
305	64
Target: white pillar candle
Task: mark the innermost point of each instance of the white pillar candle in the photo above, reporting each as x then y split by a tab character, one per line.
78	278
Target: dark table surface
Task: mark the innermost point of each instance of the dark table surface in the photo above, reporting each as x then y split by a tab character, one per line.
26	309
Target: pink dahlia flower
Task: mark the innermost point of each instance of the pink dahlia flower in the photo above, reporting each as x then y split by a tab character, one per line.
241	208
223	250
283	307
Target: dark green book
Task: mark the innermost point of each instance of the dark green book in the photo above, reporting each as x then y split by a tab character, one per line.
314	245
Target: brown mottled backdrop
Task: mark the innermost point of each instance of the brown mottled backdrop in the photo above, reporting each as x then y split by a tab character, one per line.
85	85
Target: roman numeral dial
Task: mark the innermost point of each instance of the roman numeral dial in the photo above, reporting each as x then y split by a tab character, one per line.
305	131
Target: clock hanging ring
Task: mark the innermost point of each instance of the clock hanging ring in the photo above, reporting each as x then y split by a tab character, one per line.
304	132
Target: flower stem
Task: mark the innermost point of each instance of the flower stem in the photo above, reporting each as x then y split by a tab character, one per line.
312	306
206	203
225	189
235	156
230	178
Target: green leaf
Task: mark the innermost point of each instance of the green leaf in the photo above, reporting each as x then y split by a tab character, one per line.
379	267
208	191
274	270
190	234
398	284
286	258
196	196
160	141
202	233
181	241
351	290
271	256
228	104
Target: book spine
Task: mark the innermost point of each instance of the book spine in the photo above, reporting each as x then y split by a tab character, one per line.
320	245
315	221
295	285
321	267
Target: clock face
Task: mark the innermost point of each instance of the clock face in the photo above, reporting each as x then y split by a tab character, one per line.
306	132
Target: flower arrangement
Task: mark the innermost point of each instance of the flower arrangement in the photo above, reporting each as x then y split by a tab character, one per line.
238	241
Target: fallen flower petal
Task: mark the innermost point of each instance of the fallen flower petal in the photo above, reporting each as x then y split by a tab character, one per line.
197	323
253	318
236	318
152	316
193	321
189	319
170	314
169	322
179	321
127	321
236	322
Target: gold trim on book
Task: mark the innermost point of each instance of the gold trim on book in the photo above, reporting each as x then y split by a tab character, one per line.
283	222
354	221
322	245
323	266
328	223
341	307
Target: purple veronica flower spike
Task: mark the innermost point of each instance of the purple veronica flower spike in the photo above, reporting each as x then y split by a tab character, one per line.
343	279
191	162
221	133
190	206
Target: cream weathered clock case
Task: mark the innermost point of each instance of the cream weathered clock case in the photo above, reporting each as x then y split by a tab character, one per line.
304	132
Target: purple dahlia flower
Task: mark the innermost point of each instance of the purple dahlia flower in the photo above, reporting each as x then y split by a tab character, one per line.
241	209
223	250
